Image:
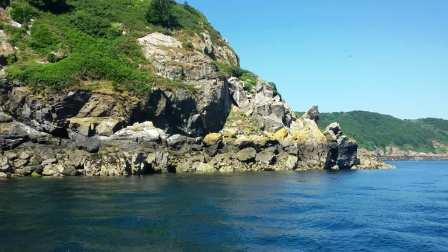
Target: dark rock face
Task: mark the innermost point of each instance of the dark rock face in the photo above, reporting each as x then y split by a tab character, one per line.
347	154
189	112
342	151
43	115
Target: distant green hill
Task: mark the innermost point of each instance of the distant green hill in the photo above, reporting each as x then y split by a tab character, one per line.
373	130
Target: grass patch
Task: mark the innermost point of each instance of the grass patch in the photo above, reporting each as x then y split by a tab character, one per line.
76	41
227	71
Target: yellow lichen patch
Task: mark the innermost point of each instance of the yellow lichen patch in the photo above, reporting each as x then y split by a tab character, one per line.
281	134
307	131
85	120
103	87
212	138
230	132
245	124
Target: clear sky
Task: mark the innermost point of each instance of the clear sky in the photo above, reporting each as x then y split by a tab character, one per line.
388	56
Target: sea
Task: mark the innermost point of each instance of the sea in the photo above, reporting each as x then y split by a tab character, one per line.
402	209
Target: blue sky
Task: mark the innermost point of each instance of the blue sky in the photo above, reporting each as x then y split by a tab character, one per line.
388	56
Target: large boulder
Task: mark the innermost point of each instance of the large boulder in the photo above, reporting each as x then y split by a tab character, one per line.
140	132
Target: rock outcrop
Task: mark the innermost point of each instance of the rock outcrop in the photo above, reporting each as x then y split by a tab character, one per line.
342	150
202	122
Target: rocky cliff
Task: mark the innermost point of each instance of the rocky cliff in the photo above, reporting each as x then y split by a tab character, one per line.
195	119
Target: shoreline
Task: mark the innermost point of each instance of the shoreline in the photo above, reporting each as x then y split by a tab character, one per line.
414	158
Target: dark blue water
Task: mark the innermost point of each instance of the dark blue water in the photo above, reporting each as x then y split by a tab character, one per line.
405	209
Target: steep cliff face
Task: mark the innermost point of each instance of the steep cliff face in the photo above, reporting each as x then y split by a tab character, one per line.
195	118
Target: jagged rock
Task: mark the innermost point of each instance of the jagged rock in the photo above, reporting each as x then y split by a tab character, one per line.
5	165
52	170
272	113
281	134
90	144
247	155
312	143
266	157
6	49
333	131
370	160
5	118
205	168
172	61
291	162
195	114
176	140
109	126
239	95
347	157
83	126
90	126
46	115
343	151
313	114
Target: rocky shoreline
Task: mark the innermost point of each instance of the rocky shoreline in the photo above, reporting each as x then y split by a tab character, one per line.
210	123
427	157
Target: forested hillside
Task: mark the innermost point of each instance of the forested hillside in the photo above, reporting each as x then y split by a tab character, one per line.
373	130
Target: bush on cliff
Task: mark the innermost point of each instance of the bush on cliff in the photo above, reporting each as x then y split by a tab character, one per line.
4	3
56	6
22	11
160	12
249	78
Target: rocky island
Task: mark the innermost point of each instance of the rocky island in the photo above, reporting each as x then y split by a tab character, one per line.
87	90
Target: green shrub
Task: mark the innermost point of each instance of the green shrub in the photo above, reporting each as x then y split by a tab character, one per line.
91	24
274	87
4	3
56	6
250	80
22	12
160	12
43	39
188	45
227	71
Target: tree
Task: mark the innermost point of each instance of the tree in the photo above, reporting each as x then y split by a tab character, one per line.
160	13
4	3
56	6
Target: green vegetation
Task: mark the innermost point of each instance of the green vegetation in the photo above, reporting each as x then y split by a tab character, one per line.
22	12
4	3
373	130
80	41
249	78
160	12
56	6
